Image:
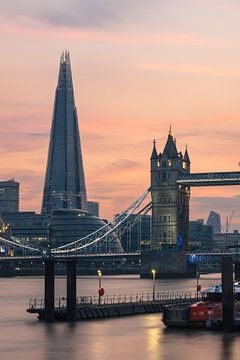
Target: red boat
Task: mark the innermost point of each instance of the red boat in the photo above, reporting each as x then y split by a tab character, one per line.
202	314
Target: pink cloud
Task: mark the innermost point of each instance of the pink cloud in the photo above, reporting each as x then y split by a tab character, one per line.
191	69
35	29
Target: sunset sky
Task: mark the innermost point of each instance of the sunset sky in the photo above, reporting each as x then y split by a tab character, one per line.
138	66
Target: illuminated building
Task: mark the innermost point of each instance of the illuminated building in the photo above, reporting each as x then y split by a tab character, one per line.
170	201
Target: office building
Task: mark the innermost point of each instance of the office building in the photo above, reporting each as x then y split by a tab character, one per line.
64	186
93	208
9	196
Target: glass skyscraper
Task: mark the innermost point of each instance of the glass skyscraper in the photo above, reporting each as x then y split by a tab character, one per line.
64	186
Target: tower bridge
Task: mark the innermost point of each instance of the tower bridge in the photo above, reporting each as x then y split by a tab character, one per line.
210	179
79	233
170	185
171	181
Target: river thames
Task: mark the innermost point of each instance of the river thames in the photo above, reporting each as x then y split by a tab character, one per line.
142	337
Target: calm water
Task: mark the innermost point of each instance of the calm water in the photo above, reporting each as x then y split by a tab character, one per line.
23	337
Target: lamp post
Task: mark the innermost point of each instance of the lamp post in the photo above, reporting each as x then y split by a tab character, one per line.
154	278
49	241
198	285
99	286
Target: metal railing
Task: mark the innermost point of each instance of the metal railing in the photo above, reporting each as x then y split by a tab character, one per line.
162	297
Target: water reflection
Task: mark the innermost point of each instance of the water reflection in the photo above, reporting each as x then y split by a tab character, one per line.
153	332
142	337
59	341
227	346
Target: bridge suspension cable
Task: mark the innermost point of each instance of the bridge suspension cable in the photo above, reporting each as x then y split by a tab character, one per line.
131	222
106	233
18	244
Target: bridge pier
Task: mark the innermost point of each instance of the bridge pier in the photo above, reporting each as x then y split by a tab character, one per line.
71	290
49	315
237	271
227	293
49	311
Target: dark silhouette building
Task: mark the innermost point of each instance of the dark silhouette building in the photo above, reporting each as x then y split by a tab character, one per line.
214	220
9	196
93	207
200	236
138	235
27	226
64	182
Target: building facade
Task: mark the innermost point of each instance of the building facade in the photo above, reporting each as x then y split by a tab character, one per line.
214	220
170	201
64	186
138	235
9	196
93	208
200	236
27	226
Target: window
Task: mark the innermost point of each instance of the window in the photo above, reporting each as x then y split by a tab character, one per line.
164	218
164	176
169	218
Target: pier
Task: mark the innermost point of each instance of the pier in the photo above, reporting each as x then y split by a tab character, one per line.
88	307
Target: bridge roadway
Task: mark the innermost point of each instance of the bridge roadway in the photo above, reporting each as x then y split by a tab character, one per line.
77	256
103	256
210	179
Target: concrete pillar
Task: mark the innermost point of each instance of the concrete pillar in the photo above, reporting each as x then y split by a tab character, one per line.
227	293
71	290
237	271
49	291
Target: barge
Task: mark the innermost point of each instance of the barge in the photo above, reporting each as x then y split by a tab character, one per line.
203	314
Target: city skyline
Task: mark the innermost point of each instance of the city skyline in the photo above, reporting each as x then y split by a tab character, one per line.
131	84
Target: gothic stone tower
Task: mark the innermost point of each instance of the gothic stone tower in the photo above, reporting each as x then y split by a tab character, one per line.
170	201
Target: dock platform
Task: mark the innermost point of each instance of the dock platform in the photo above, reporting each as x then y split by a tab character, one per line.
90	308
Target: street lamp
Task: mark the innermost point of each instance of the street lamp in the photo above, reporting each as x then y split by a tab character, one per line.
99	286
198	285
154	278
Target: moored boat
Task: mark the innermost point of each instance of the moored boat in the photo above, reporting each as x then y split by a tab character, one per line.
206	313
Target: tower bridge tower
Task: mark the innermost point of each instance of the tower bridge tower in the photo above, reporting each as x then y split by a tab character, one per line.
170	201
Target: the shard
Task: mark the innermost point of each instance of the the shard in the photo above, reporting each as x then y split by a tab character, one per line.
64	186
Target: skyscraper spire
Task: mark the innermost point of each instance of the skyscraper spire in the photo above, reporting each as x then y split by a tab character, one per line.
154	151
64	182
186	156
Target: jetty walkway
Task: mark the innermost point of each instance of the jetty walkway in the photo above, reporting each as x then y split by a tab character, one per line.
94	307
